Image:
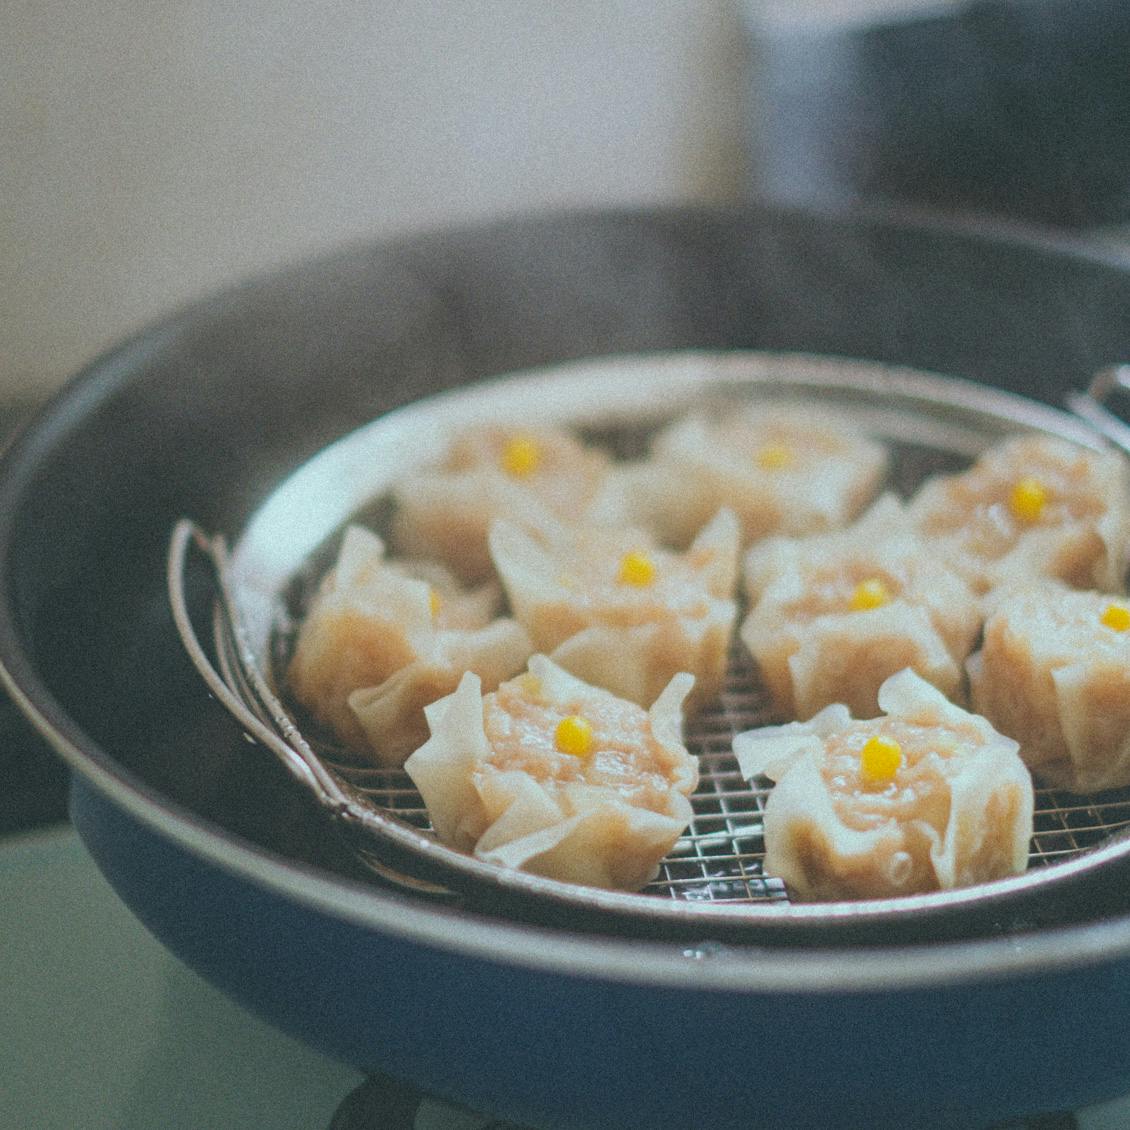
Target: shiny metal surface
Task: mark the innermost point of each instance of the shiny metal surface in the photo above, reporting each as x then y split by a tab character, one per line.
713	879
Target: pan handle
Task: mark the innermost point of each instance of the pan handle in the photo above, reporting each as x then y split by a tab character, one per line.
1092	404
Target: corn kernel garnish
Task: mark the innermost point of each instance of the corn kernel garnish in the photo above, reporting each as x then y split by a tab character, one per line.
521	457
868	594
879	760
1028	499
435	602
774	456
573	736
1117	617
636	569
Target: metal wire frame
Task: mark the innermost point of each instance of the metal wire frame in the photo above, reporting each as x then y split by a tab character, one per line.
720	856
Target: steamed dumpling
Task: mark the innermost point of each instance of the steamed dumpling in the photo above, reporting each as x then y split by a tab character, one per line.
558	777
833	615
782	469
535	477
378	643
1054	673
617	611
929	797
1032	506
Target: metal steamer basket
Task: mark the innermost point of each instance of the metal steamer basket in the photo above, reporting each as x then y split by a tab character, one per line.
712	885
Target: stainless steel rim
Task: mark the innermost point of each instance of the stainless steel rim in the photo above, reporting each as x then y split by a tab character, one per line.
957	416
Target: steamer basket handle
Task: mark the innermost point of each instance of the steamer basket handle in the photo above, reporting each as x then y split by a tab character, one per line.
289	747
1092	404
242	689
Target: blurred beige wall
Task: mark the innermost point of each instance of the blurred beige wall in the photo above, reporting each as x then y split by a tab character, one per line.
150	151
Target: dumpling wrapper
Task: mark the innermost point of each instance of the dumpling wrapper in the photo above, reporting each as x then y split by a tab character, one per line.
599	821
391	715
1081	535
377	644
782	468
445	512
813	649
959	810
1053	676
629	639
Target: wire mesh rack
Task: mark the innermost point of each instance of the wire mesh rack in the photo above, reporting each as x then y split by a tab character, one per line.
717	865
720	857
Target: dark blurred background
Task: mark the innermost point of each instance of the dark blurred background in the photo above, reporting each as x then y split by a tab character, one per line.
1006	108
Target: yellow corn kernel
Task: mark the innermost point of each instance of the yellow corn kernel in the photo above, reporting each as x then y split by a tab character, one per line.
636	569
1117	617
1028	499
868	594
774	456
435	602
521	457
879	760
573	736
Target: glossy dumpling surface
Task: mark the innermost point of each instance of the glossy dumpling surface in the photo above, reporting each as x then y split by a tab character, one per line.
535	477
833	615
1054	673
926	797
620	612
1030	507
782	469
557	777
378	643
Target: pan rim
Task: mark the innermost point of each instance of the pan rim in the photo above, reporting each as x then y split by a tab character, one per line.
840	969
750	970
329	487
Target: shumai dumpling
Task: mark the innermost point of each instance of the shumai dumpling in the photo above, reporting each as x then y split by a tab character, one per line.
617	611
557	777
927	798
535	477
1054	673
834	615
1032	506
782	469
378	644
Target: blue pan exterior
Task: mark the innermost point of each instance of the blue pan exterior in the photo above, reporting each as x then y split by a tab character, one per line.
552	1050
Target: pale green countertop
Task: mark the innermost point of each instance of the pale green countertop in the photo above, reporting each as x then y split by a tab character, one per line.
103	1029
